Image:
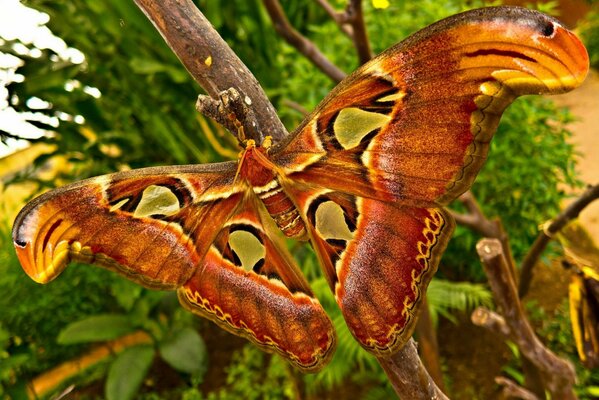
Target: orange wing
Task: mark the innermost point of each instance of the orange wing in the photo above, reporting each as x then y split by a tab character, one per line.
405	134
249	285
188	228
414	124
153	225
378	258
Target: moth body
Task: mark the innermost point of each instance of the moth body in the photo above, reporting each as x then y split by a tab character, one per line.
262	175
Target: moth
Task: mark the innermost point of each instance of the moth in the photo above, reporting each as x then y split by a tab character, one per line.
364	178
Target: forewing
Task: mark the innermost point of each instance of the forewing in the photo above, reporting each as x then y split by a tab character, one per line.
414	124
153	225
249	285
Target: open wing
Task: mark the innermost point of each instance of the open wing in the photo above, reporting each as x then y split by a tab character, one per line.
152	225
414	124
188	228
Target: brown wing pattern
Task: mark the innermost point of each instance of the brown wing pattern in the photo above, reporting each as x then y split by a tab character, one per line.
404	134
414	124
378	258
153	225
190	228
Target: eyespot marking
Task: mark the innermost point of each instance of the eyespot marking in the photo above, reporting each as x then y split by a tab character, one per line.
353	124
247	247
156	200
392	97
331	223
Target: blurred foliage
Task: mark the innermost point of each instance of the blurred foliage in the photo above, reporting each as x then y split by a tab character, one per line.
145	116
589	32
553	327
446	298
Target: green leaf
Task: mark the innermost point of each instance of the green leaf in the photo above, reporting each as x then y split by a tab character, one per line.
185	351
95	329
127	372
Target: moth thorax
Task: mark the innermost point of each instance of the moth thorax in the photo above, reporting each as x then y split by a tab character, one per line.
282	210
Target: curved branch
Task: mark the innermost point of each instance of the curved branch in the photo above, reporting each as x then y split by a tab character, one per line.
475	219
339	17
301	43
351	23
210	61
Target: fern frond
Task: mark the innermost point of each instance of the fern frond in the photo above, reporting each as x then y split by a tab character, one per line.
447	297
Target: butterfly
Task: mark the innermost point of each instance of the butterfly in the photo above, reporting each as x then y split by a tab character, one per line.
364	179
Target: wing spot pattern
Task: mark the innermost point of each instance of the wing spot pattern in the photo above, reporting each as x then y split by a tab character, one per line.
157	200
353	124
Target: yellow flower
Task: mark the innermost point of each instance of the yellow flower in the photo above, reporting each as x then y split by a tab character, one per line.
381	4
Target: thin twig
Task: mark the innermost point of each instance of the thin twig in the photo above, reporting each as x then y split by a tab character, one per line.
296	106
301	43
476	220
351	23
558	374
210	61
360	38
571	212
338	16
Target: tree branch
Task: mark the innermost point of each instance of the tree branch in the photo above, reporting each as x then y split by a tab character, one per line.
428	344
355	17
511	390
571	212
408	375
351	23
231	111
476	220
491	321
210	61
558	374
301	43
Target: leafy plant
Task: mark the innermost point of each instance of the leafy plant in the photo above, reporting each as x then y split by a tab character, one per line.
178	345
589	32
447	297
253	375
